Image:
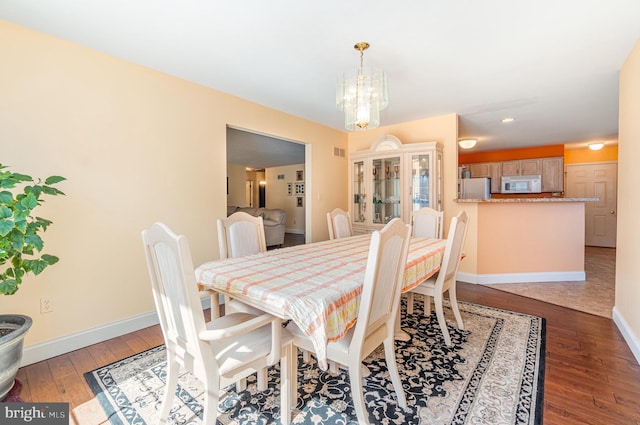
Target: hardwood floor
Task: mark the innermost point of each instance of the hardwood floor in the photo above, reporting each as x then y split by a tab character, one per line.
591	376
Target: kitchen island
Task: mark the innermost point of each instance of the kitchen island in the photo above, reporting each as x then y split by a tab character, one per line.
526	240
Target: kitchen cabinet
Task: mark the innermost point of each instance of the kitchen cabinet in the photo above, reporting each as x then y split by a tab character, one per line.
493	170
392	179
553	174
481	169
523	167
550	169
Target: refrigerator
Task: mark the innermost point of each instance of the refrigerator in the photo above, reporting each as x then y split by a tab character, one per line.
477	188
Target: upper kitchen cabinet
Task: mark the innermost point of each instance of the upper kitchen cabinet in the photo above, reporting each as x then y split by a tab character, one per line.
523	167
493	170
553	174
391	180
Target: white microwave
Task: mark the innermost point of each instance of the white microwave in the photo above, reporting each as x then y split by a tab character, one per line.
522	184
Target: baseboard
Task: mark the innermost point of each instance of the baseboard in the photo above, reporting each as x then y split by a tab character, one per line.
627	333
55	347
485	279
295	231
467	277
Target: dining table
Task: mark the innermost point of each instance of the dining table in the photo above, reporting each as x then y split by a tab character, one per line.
316	285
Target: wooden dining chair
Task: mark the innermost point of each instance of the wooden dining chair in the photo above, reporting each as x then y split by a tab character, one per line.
339	223
426	223
445	279
241	234
219	352
376	321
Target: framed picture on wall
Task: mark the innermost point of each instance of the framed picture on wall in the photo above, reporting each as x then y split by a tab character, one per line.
299	188
299	175
299	201
289	189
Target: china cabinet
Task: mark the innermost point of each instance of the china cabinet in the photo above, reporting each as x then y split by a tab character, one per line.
392	179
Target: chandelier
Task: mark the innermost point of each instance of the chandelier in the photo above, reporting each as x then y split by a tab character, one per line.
362	94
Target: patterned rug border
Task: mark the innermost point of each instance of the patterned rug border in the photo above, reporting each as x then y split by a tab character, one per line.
532	404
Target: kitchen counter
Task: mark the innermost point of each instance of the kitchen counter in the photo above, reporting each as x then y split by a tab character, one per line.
528	200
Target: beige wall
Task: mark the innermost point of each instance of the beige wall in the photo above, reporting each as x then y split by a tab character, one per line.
137	146
237	175
277	196
531	237
628	237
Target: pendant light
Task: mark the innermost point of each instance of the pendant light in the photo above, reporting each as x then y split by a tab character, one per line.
362	94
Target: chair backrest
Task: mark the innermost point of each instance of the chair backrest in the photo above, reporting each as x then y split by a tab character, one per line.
175	293
427	223
339	223
383	279
241	234
452	251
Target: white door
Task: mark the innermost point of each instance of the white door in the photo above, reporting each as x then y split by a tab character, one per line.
596	180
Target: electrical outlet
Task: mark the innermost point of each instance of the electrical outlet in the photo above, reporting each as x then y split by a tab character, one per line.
46	305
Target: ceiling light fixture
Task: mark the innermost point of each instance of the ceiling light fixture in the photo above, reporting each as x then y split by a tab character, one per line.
362	94
467	143
596	146
507	120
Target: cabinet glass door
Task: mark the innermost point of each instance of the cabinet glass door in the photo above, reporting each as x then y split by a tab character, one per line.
386	189
359	206
420	175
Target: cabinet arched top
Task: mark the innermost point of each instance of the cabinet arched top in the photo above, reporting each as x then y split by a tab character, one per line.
388	142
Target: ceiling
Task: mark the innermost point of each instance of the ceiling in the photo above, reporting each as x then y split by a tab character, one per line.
258	151
552	65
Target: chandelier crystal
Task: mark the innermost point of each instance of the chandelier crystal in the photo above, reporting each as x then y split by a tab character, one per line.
362	94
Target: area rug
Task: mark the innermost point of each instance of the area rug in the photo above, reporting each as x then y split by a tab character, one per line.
492	374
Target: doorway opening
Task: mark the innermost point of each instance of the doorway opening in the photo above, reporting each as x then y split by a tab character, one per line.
268	168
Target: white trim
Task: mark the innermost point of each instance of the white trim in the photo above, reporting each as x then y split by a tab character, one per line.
48	349
467	277
295	231
627	333
485	279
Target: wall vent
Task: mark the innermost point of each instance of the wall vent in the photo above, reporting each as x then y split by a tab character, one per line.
339	152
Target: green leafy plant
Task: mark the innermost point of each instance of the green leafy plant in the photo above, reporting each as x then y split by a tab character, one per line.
20	241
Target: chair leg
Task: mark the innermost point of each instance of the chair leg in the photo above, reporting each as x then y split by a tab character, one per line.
287	371
241	385
305	356
215	304
211	398
355	379
453	299
262	379
170	388
427	305
392	366
409	302
441	320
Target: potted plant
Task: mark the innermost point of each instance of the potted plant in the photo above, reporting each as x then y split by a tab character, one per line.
20	248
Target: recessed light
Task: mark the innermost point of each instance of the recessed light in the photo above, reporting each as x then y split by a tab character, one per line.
507	120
